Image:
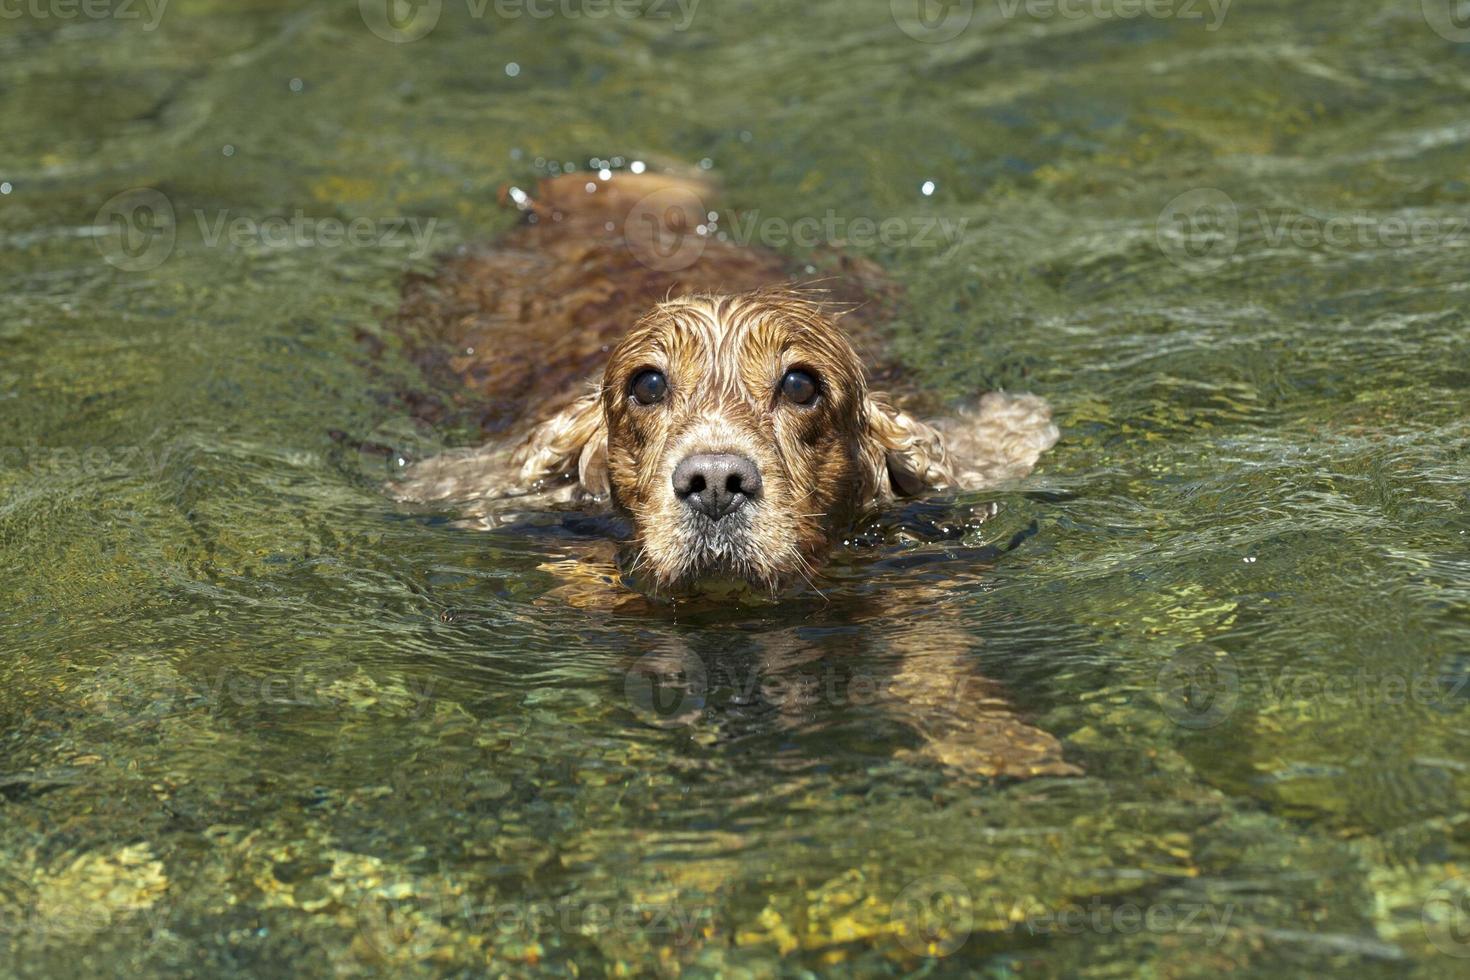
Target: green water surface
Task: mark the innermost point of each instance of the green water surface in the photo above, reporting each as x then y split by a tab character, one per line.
256	720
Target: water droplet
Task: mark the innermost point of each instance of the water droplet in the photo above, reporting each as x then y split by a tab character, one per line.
6	188
746	136
591	187
706	164
929	188
512	69
228	150
604	174
638	166
296	85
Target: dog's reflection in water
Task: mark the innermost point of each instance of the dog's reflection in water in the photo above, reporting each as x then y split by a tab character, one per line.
896	646
730	420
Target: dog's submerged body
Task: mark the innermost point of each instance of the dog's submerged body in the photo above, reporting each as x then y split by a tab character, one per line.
615	356
623	354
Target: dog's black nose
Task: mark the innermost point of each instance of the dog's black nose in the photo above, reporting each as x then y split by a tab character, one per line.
716	484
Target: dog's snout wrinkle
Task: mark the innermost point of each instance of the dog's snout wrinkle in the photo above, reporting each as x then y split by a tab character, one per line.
716	484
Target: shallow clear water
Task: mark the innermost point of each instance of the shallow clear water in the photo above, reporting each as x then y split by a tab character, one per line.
255	719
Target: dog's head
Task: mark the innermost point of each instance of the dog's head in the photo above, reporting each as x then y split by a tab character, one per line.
739	436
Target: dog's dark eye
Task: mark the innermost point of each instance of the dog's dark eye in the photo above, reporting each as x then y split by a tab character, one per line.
800	387
649	387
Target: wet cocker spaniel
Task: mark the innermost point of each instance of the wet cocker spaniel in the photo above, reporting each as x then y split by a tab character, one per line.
615	352
730	421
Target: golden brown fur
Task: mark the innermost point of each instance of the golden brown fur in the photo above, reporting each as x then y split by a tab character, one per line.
539	336
522	324
537	318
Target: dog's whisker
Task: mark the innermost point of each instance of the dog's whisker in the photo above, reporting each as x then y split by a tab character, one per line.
803	567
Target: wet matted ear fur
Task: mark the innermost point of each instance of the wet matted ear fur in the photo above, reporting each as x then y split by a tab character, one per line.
900	456
1000	439
574	441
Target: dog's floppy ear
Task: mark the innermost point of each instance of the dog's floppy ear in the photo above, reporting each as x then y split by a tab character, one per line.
999	439
572	442
901	456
